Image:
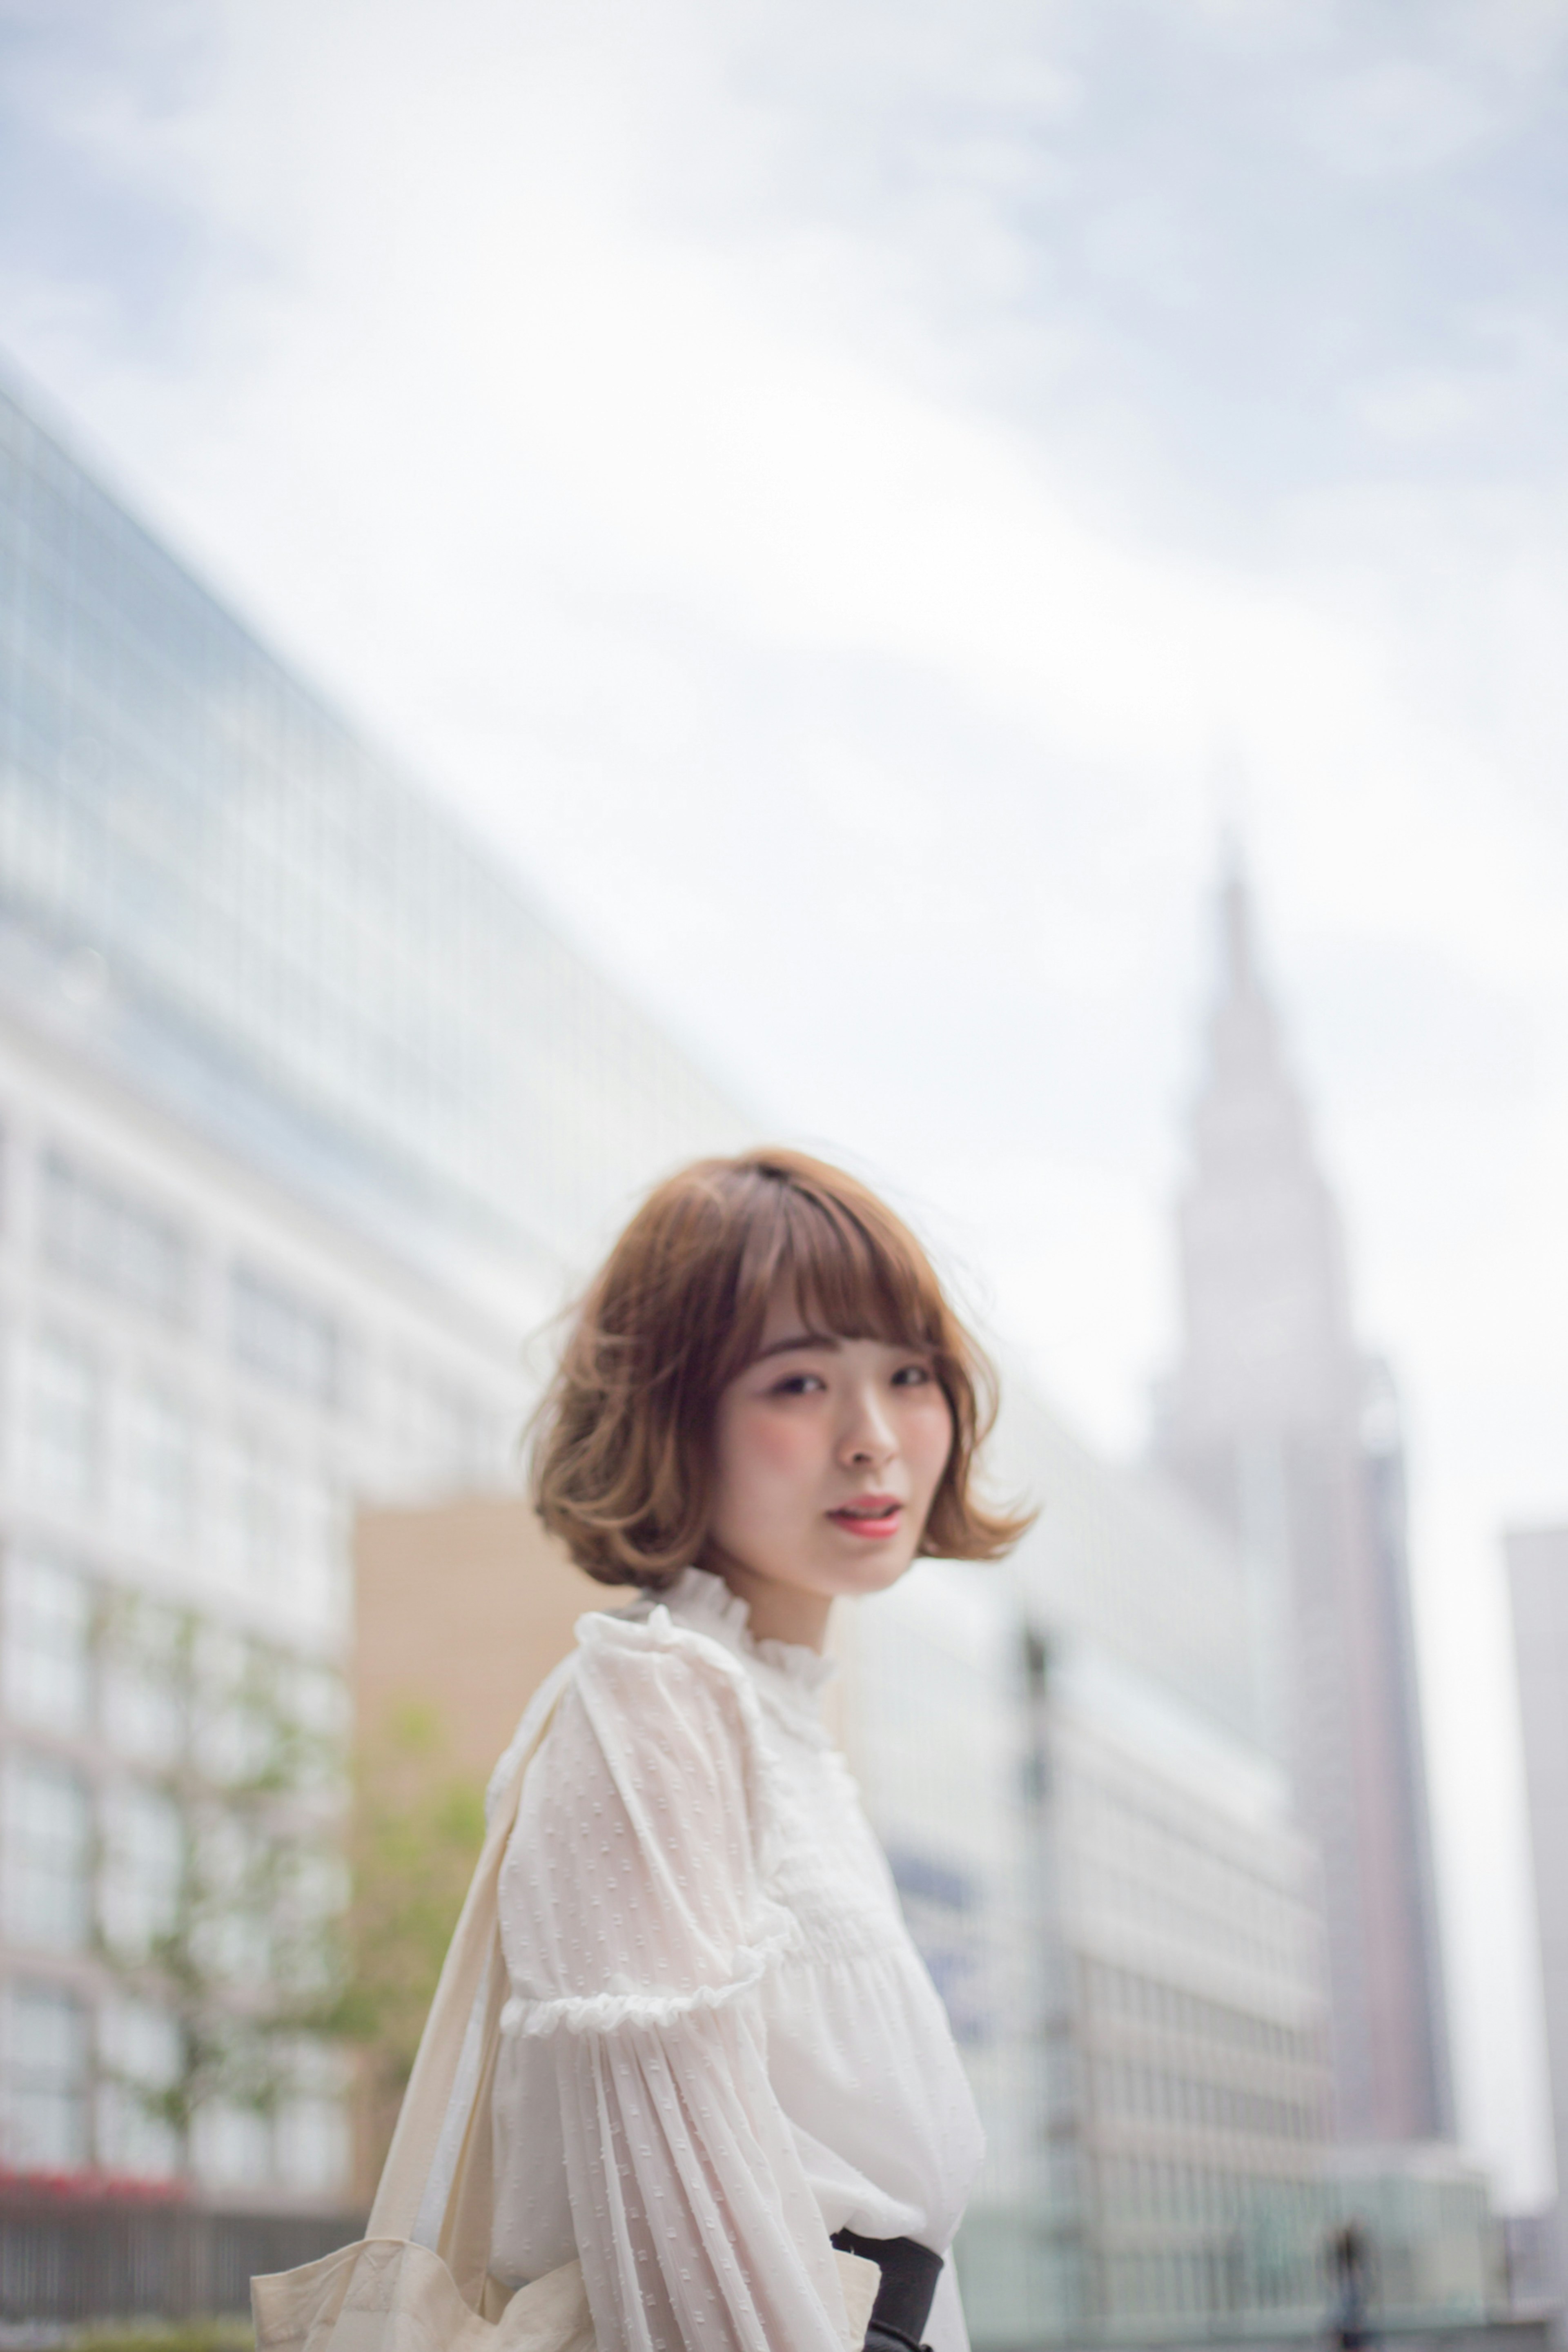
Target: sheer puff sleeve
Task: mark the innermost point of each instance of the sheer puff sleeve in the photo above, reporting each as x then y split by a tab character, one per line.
638	1931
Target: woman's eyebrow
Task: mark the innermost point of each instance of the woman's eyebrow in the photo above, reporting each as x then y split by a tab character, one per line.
799	1340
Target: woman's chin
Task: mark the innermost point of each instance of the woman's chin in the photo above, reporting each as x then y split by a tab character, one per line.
881	1565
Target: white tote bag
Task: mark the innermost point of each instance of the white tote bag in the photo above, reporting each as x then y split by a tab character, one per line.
388	2294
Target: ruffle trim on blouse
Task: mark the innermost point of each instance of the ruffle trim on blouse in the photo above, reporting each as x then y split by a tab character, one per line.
704	1601
602	2013
698	1593
700	1613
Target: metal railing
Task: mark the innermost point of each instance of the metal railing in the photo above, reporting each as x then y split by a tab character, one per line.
109	2259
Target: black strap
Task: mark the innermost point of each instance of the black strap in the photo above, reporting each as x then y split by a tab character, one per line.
910	2273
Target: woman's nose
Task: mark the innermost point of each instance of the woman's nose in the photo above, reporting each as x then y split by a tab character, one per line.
869	1437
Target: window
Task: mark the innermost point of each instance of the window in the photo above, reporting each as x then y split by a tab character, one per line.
48	1678
318	1700
321	1571
313	2140
47	1827
142	1680
285	1338
139	2057
156	1470
232	2146
43	2100
64	1418
237	1880
313	2147
444	1438
258	1498
97	1234
144	1864
226	1739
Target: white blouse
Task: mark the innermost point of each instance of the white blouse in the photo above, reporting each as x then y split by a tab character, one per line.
721	2045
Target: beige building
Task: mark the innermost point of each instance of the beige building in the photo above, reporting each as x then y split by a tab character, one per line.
462	1607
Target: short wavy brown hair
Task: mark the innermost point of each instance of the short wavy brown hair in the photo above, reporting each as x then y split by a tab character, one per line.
622	1453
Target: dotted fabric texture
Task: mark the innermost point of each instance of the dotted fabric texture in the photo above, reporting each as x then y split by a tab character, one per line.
721	2045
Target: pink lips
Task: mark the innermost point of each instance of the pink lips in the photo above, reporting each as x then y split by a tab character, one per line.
873	1518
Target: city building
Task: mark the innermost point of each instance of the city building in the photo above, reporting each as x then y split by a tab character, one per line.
1099	1861
1288	1434
1537	1561
304	1113
1435	2256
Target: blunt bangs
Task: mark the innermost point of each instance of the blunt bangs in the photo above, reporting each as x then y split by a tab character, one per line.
849	1280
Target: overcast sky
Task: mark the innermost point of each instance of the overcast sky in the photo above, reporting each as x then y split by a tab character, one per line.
851	497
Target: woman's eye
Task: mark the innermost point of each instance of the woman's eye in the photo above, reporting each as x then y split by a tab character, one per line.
797	1384
911	1376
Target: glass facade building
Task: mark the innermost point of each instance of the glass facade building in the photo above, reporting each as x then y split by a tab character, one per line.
304	1112
234	900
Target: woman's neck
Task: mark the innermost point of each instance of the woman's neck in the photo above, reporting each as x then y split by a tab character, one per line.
778	1611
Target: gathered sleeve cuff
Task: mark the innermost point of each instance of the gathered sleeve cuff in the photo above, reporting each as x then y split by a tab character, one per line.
638	1933
602	2013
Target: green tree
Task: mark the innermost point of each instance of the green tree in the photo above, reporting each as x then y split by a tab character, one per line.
230	1927
418	1825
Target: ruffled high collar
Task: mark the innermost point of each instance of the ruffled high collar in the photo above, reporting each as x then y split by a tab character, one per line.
704	1601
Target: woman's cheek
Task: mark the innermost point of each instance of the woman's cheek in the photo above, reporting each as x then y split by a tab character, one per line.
779	1455
782	1445
929	1438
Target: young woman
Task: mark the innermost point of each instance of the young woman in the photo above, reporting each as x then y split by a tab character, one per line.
721	2052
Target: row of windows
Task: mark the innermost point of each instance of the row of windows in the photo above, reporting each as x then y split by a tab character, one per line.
46	1861
265	1515
1126	1996
1209	2280
1127	2091
1150	1834
299	883
271	1520
1189	2198
1139	1868
286	1339
96	1232
125	1869
157	1685
100	1232
79	2088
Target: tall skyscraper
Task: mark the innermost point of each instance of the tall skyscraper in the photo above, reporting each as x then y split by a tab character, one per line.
1538	1591
1284	1429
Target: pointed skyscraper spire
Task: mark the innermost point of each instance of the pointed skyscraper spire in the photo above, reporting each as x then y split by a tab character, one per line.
1262	1254
1267	1422
1239	966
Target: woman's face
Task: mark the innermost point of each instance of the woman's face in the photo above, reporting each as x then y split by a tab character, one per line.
827	1457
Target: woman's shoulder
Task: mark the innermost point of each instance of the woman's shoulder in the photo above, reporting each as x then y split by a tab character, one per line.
651	1639
636	1672
645	1669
